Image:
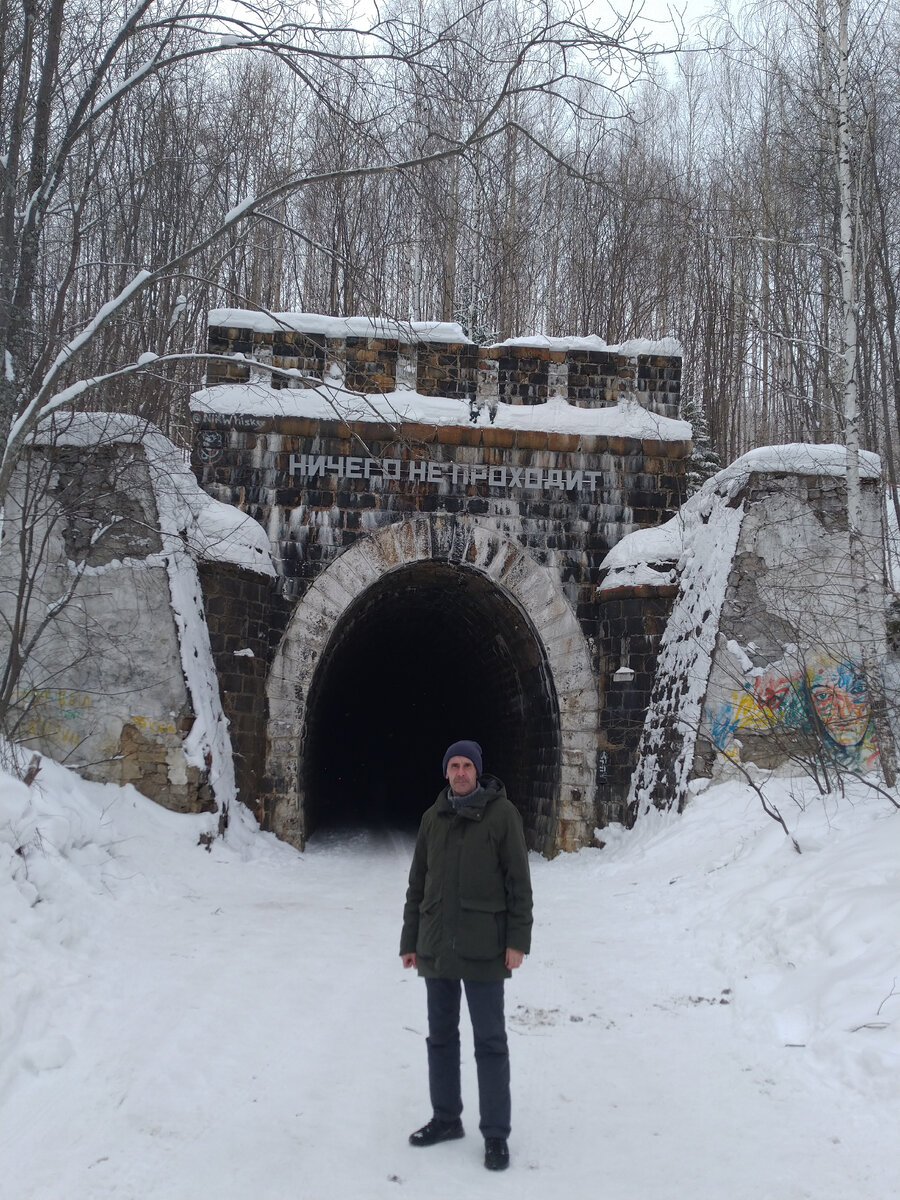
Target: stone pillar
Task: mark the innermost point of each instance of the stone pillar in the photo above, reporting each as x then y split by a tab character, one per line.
659	383
447	369
522	374
370	364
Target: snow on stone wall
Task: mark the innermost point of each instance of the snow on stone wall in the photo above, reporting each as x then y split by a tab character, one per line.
761	659
120	683
710	530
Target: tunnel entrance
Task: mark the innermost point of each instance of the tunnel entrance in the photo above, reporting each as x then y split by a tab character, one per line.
429	653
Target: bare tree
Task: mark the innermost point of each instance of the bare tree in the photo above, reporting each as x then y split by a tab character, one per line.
74	109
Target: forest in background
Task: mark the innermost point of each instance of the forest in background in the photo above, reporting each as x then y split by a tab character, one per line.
630	191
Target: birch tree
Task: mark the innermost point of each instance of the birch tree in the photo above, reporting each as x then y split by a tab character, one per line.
862	565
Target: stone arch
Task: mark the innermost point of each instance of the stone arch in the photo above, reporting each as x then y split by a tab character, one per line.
507	574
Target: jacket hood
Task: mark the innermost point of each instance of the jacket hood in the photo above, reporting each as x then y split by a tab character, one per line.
489	788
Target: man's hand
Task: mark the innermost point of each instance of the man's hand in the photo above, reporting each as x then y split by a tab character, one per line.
408	960
514	958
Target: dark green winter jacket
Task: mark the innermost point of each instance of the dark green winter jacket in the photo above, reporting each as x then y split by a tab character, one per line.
469	894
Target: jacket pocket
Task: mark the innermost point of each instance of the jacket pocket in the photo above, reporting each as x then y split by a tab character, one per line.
482	929
428	942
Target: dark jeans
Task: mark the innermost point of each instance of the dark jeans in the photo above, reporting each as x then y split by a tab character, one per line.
485	1001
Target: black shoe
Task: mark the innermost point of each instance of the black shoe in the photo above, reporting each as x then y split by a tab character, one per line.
437	1131
496	1154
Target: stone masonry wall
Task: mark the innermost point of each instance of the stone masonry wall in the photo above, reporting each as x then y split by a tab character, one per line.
447	369
319	487
787	680
523	373
288	349
514	373
313	520
370	364
103	689
659	378
763	658
632	622
246	617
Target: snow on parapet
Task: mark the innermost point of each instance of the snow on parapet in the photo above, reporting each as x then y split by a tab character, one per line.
793	458
663	347
338	327
627	418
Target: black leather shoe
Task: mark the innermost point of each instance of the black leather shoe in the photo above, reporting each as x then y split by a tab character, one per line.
496	1154
437	1131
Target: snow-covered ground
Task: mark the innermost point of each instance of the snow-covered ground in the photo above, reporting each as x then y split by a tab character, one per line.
706	1014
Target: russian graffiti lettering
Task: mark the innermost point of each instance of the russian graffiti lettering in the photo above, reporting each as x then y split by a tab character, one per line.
314	466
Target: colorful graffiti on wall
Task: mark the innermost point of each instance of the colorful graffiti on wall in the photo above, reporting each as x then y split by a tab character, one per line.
826	700
52	716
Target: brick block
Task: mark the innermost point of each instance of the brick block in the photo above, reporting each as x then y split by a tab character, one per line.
417	432
566	442
504	438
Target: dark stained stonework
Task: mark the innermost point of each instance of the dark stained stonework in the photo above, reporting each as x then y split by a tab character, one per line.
447	369
632	622
435	578
244	612
314	521
519	372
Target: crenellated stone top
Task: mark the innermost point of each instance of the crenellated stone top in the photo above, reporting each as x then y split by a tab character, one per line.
378	356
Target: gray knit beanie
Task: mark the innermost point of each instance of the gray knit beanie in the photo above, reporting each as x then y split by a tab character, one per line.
469	750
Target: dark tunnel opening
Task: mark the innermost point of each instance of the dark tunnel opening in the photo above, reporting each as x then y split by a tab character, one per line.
429	654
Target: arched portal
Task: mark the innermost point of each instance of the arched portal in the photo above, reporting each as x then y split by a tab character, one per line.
428	654
429	630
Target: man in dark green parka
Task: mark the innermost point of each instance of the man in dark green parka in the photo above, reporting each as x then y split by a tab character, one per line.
467	921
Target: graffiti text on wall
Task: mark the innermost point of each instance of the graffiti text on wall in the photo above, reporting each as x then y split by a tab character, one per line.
827	700
51	713
57	715
311	466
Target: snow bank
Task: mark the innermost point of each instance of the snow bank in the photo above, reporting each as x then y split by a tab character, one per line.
175	1024
815	973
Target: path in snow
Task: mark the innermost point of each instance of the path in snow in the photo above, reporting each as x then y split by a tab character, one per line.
237	1026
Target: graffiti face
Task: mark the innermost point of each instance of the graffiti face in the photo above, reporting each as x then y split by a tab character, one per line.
780	698
829	701
841	702
772	692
